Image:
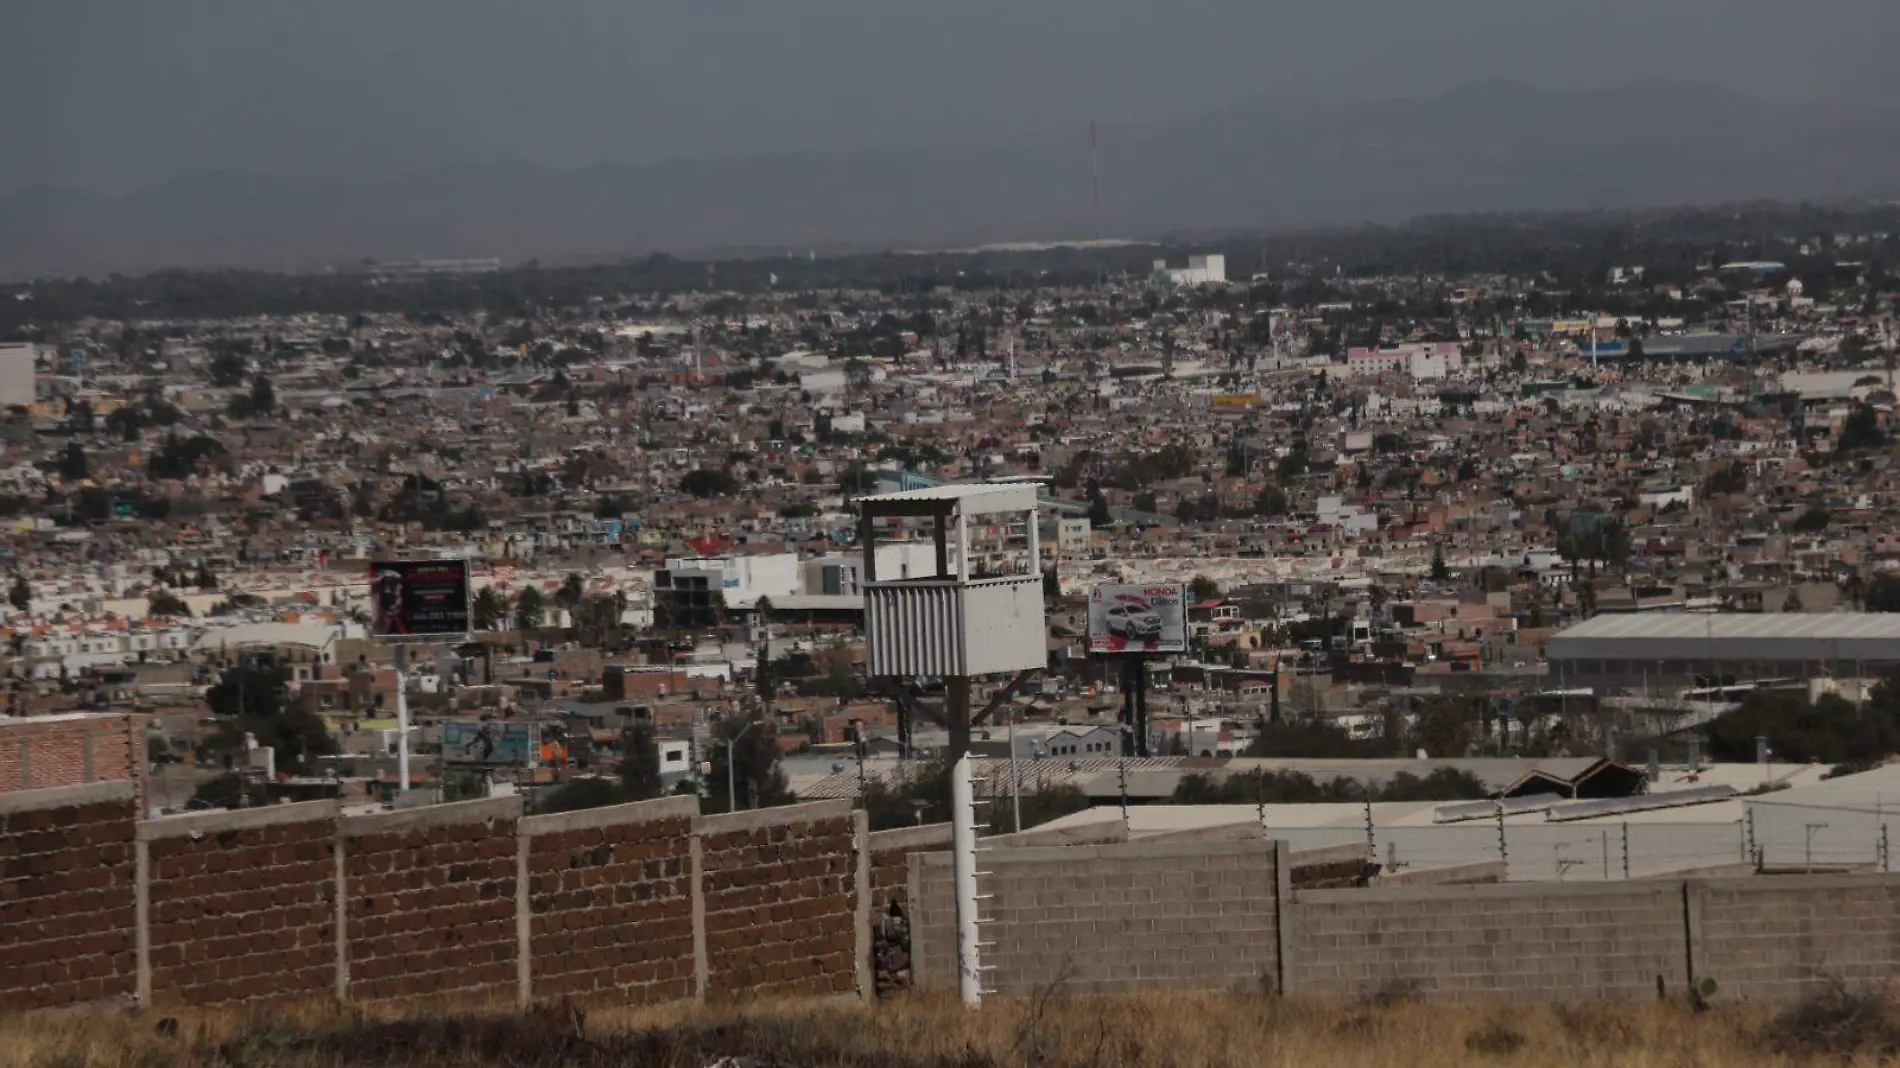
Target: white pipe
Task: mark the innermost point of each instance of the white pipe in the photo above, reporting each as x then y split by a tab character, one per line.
1015	777
402	719
963	844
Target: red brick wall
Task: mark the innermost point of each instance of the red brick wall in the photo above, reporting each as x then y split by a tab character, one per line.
42	754
431	899
68	896
890	862
780	890
243	905
611	899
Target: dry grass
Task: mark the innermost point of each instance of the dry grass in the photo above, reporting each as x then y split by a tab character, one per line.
1058	1032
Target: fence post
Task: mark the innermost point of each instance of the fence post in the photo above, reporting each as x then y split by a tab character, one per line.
1283	913
524	923
142	913
1694	966
342	920
861	845
702	963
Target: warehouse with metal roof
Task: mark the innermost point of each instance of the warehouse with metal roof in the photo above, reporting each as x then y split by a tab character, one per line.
1650	651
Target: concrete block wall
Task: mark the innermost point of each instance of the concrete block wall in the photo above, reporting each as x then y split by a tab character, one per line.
1780	938
1330	868
68	896
239	905
1527	943
782	911
651	903
432	903
1109	918
610	903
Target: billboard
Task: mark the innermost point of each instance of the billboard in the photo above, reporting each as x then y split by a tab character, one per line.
471	741
1138	619
418	598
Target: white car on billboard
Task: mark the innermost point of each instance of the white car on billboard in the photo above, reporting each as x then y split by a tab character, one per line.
1134	620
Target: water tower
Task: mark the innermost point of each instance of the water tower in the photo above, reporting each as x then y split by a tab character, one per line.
979	613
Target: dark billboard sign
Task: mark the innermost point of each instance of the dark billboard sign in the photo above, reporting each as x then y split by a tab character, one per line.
418	598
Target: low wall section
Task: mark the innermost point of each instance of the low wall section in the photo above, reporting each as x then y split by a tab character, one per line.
468	903
1107	918
1213	915
69	901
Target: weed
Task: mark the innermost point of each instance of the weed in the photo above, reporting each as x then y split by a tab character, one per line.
1390	994
1836	1022
1496	1040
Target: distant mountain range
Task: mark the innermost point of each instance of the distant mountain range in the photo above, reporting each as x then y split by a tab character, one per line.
1486	147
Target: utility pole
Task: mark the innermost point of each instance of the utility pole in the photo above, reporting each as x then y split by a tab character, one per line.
732	767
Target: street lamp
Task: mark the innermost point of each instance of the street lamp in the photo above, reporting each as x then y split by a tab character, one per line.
732	767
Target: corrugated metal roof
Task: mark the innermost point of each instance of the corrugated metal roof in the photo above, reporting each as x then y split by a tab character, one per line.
972	496
1785	636
1837	625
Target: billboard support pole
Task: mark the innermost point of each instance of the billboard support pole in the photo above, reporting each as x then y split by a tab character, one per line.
1129	685
402	718
1141	706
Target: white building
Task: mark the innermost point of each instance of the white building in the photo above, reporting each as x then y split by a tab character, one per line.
1200	270
742	579
839	574
16	374
1072	535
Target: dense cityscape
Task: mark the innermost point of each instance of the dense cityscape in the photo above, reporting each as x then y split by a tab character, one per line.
1514	550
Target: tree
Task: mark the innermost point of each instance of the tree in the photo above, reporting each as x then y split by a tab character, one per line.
254	698
1861	430
1440	572
1312	740
127	422
1883	594
1812	521
1442	728
1272	502
530	606
1443	784
1099	516
922	793
21	595
490	609
72	463
706	482
1830	730
178	459
573	590
640	763
229	790
263	397
227	369
1039	806
760	782
575	795
1202	588
1732	478
163	604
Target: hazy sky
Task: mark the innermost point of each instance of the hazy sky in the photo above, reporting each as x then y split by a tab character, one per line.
114	94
